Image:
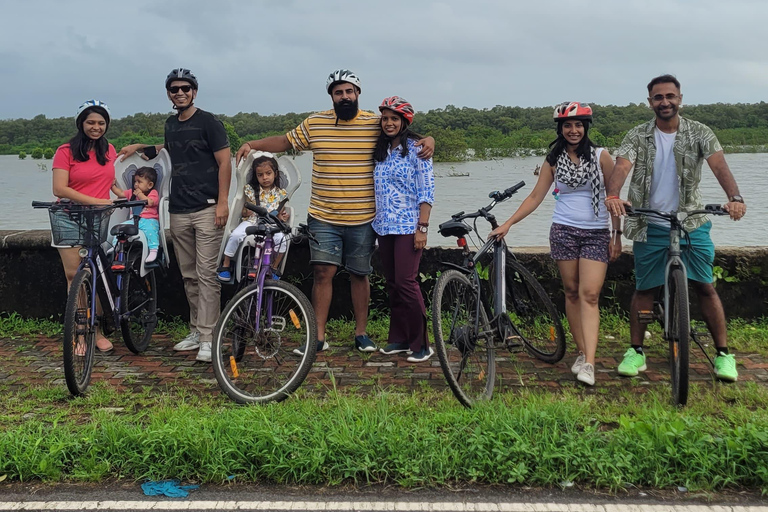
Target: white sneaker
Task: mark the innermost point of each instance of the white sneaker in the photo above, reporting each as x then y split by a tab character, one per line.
205	352
191	342
586	374
576	368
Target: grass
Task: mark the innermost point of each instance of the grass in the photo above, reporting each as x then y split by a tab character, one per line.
409	439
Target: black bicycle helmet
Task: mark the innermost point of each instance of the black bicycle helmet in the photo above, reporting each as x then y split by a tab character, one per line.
181	74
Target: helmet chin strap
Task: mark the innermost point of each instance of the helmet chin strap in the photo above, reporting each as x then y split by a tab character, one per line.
182	109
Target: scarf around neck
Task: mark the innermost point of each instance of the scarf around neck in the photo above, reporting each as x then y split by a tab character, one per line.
577	175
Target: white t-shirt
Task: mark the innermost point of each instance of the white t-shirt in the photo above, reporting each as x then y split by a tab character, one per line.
574	208
665	184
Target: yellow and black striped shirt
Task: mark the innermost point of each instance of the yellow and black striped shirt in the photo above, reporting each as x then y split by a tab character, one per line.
342	165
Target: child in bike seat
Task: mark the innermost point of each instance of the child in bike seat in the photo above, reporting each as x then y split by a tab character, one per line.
266	179
149	219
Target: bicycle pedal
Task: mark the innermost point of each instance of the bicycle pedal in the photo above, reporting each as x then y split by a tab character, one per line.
514	344
646	316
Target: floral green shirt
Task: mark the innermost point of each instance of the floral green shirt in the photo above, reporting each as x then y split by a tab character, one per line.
694	143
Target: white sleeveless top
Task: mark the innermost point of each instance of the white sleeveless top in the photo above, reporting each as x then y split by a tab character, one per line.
574	208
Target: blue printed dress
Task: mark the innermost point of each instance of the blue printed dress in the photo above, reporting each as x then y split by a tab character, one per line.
401	184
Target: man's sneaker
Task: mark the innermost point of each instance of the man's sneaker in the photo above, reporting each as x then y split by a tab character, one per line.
204	354
421	356
725	367
364	344
632	363
395	348
321	345
191	342
578	364
586	374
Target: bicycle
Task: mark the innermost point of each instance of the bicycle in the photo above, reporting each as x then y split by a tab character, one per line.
123	288
675	320
467	325
259	328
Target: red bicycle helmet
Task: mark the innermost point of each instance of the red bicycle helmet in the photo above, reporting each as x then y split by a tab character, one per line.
573	110
399	105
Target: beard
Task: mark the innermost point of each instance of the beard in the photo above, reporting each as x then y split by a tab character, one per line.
669	114
346	110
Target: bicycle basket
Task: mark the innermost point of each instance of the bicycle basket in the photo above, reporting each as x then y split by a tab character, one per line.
76	225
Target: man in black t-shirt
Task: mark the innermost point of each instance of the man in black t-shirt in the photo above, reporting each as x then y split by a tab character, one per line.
201	172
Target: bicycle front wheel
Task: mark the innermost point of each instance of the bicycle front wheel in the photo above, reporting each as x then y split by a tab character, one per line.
138	307
535	318
79	333
463	339
253	343
678	335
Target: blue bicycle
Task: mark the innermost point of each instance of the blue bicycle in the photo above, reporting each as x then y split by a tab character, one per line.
114	275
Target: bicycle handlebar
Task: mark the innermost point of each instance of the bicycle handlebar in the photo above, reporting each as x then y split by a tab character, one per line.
710	209
271	219
59	205
497	197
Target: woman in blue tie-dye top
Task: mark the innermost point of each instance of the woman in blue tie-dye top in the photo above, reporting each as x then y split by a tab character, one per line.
405	191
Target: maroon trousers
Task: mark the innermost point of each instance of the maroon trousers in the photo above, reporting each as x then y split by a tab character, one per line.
408	317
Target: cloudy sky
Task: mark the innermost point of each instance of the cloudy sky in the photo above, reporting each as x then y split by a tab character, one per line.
273	56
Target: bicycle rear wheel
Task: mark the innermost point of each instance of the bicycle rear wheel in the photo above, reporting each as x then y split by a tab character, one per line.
138	306
253	344
464	344
534	317
679	335
79	333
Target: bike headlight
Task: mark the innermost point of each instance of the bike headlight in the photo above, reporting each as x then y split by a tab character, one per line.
83	252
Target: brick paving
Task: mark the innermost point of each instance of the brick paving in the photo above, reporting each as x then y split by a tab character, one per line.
38	363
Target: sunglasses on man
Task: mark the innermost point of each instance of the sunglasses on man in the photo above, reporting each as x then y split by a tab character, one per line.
176	88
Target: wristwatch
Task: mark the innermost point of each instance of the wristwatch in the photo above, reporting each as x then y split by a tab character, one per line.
736	199
422	228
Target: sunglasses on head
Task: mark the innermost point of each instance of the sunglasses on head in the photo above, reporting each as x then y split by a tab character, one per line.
183	88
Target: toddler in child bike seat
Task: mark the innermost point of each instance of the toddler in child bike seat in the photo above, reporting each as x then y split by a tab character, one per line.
266	179
149	219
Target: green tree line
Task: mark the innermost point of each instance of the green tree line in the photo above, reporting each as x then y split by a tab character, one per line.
461	132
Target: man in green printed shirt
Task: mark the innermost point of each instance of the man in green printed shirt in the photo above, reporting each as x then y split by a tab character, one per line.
668	153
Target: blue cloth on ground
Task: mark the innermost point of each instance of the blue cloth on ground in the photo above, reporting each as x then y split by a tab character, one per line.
170	488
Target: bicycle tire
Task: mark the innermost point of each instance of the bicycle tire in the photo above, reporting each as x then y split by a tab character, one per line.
138	306
467	356
679	335
79	333
534	316
258	366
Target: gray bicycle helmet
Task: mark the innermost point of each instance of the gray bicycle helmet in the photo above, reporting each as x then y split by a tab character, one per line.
342	75
95	105
181	74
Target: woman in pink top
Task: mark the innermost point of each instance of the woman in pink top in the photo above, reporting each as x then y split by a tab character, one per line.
83	172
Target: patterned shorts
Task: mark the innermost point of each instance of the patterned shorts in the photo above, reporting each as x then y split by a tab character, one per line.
571	243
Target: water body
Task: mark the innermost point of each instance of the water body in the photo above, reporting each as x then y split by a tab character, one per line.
22	181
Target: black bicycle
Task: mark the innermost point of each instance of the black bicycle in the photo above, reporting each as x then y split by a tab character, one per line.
469	325
671	307
114	275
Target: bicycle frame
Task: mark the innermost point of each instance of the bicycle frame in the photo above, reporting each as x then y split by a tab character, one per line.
262	260
673	260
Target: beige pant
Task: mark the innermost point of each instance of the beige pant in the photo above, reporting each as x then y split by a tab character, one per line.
196	241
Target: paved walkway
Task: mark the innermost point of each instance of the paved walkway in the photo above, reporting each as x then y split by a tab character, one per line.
38	362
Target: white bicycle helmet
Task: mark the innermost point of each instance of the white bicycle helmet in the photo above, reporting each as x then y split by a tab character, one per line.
342	75
96	104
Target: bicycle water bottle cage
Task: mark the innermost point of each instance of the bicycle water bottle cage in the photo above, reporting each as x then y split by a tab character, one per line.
454	228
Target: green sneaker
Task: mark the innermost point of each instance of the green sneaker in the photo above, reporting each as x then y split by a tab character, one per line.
725	368
632	363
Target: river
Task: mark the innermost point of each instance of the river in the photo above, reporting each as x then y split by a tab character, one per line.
22	181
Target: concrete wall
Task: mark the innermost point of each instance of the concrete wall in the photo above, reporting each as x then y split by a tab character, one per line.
32	280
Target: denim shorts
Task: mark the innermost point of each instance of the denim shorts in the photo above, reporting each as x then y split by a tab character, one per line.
347	246
572	243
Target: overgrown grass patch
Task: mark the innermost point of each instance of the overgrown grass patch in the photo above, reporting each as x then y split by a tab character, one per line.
410	439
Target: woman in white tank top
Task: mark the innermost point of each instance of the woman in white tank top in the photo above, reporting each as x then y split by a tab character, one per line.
581	239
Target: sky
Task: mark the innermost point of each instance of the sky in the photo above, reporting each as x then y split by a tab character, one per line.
272	57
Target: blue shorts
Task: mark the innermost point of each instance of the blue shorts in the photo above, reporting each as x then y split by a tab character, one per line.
651	256
347	246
